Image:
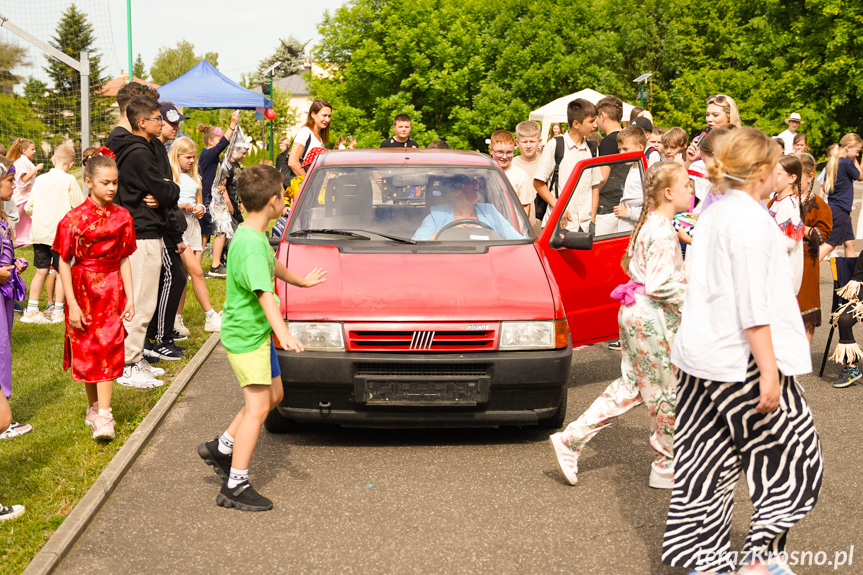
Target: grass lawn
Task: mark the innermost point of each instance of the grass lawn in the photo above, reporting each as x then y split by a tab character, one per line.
52	467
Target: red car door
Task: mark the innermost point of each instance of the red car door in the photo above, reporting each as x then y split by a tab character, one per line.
586	275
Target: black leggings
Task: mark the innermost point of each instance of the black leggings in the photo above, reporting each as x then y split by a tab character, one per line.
846	323
172	280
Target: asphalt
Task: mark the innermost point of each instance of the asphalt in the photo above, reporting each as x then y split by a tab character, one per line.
452	501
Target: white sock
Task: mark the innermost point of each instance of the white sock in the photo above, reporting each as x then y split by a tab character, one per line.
59	307
32	305
179	316
211	314
105	412
237	476
226	444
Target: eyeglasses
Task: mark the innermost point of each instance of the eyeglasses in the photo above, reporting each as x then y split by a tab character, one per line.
159	119
502	154
719	99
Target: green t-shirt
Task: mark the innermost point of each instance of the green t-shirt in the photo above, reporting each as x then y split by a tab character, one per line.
251	268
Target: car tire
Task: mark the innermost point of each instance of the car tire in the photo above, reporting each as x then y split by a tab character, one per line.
556	420
278	423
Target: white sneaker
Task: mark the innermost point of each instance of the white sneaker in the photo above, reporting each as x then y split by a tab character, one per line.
565	457
134	376
57	316
35	316
103	426
154	371
214	323
11	512
661	479
180	327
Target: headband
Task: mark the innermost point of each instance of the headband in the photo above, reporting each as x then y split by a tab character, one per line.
100	151
809	168
4	171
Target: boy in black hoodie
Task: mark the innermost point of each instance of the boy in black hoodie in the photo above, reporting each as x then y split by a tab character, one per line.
147	194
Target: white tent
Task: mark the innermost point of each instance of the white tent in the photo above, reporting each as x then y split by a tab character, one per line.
556	111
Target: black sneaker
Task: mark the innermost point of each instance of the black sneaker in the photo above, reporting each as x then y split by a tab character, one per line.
148	350
209	452
850	374
614	345
219	271
177	336
167	352
242	497
170	343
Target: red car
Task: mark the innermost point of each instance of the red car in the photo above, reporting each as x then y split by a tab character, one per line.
441	308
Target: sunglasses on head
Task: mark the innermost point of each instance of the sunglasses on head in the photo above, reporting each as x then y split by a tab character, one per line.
719	99
7	172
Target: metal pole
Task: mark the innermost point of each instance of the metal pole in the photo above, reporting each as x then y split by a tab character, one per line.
273	98
129	30
85	100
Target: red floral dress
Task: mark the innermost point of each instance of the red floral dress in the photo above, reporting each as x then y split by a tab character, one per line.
98	238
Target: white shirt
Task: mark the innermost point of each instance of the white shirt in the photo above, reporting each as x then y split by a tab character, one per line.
702	182
307	138
528	167
632	198
786	212
581	201
738	277
188	190
521	183
53	195
788	137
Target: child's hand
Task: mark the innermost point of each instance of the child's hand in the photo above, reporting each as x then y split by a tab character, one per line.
235	117
151	201
129	310
314	277
76	318
291	343
198	211
21	264
5	273
39	167
684	237
620	210
692	153
769	387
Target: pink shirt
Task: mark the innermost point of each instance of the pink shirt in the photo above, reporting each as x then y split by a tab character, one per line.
21	191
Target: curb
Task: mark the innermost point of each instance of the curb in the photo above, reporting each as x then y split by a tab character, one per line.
77	521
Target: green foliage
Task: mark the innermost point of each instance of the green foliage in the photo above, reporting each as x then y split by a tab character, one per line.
462	69
11	56
59	107
291	53
17	117
171	63
139	70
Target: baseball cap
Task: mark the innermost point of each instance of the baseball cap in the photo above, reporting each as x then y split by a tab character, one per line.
171	114
642	123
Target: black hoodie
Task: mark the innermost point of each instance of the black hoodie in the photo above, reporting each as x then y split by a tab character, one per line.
140	173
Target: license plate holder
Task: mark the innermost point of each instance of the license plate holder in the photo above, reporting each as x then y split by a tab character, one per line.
422	393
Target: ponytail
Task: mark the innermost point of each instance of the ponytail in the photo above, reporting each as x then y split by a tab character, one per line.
851	139
18	147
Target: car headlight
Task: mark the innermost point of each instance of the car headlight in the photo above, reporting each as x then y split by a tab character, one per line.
527	335
319	336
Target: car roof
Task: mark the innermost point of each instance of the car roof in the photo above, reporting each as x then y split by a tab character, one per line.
390	156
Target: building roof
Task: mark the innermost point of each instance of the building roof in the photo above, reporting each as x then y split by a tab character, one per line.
112	86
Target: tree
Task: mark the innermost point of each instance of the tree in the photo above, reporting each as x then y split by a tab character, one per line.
291	53
139	70
171	63
11	56
60	110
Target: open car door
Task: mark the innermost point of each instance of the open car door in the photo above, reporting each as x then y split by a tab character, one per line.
586	267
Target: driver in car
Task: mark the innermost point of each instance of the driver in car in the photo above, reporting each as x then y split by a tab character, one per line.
466	212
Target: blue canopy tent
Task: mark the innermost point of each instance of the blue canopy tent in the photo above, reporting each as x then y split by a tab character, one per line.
205	87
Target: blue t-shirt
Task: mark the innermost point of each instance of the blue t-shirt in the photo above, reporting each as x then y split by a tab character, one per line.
843	190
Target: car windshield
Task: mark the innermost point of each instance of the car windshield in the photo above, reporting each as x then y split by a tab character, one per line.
410	205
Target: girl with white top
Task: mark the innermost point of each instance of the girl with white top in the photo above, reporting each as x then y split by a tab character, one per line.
21	153
315	134
785	209
739	406
182	156
648	317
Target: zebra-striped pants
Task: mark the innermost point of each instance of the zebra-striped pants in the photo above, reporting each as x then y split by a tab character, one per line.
718	433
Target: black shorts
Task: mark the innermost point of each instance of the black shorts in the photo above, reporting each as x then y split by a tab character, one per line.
842	230
43	257
205	223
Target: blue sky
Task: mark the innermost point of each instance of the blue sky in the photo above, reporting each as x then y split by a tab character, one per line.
243	32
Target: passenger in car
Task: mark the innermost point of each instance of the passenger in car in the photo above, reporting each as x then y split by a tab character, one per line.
464	206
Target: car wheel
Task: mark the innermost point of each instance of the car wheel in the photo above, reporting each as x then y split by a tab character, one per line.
556	420
278	423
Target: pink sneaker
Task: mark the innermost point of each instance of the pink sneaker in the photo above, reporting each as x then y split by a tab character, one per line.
103	426
566	460
92	412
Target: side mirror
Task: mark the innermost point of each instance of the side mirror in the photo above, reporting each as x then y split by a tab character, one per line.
275	240
573	241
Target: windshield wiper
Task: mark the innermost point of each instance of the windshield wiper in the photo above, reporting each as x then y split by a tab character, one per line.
354	234
346	233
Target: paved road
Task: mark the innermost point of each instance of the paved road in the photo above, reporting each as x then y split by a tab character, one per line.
466	501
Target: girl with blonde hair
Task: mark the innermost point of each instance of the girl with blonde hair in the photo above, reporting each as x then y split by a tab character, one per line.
648	317
182	156
842	171
738	351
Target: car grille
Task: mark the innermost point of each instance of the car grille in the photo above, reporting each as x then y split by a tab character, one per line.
443	337
422	369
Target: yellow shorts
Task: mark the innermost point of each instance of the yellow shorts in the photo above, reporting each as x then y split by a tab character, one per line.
257	367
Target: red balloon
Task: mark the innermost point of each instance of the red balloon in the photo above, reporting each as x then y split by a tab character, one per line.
270	114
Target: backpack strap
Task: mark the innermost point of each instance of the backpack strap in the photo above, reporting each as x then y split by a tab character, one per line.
594	149
554	181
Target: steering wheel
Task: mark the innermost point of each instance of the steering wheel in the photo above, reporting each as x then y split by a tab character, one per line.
463	222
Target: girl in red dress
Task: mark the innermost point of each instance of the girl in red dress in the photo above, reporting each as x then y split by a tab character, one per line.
100	237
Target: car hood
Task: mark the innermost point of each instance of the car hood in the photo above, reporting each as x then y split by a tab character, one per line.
506	283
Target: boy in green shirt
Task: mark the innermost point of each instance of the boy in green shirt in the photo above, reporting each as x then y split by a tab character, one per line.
251	316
